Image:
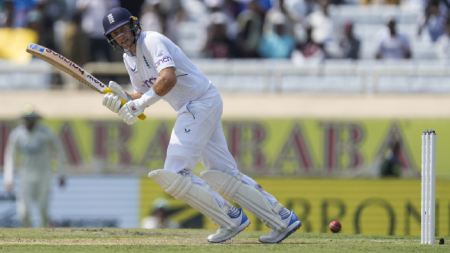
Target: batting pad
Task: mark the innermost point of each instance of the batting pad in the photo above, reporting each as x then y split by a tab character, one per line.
248	197
199	197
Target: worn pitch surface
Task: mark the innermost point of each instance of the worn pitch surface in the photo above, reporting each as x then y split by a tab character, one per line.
194	240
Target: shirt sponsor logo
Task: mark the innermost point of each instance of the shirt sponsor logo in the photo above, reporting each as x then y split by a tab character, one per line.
150	81
165	59
110	18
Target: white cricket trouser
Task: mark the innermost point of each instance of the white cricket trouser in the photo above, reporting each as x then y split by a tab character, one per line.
198	135
34	190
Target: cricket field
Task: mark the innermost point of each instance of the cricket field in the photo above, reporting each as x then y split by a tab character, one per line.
194	240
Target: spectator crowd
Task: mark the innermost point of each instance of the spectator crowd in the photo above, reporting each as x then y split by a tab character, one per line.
298	29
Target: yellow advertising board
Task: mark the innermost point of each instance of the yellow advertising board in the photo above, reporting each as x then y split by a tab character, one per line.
282	147
18	39
363	206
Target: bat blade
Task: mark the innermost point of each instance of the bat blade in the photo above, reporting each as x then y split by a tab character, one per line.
67	66
71	68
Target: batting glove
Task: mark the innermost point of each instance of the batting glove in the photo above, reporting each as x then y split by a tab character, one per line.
130	111
112	102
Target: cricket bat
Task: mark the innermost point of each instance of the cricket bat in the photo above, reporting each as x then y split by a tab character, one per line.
74	70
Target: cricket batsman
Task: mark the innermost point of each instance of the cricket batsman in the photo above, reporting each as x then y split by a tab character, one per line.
34	143
159	70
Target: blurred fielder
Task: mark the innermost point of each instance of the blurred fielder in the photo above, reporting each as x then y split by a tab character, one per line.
33	142
158	70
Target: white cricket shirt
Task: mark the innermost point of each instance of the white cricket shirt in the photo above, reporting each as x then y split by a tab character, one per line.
155	52
34	149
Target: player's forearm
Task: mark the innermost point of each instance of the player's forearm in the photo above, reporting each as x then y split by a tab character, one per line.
162	89
136	96
165	83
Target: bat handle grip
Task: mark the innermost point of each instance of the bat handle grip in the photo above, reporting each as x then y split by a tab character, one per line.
122	102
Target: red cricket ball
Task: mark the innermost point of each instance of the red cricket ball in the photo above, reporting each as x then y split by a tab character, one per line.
335	226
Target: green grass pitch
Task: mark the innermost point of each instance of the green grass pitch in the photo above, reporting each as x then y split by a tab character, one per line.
194	240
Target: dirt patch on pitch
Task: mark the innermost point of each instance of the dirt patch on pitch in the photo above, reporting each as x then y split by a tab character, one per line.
169	240
124	233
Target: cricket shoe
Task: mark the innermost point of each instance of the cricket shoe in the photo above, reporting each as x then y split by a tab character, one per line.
225	234
276	236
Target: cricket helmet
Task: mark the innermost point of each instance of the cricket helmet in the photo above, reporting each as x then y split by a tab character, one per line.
116	18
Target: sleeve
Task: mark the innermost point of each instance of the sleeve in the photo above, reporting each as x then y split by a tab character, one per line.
58	148
160	50
10	155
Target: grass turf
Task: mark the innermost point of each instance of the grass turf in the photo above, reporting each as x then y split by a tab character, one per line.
194	240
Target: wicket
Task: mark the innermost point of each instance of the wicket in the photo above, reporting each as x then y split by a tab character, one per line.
427	206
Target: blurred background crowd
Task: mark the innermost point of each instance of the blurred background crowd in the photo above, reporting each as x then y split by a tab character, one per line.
302	30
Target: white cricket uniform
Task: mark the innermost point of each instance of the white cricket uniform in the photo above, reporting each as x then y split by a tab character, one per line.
35	172
197	134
